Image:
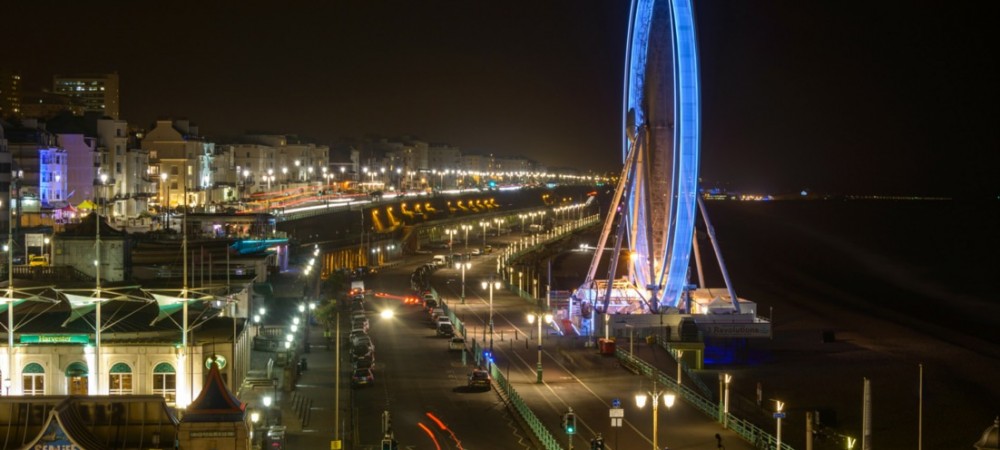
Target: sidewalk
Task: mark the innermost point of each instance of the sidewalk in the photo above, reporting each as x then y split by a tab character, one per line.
301	403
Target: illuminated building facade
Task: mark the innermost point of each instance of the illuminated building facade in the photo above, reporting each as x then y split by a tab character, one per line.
98	92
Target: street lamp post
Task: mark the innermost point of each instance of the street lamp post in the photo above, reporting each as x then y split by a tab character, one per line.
463	266
540	318
491	285
451	238
668	400
778	415
466	227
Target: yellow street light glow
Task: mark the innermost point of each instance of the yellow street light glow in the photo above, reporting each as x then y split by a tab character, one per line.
386	314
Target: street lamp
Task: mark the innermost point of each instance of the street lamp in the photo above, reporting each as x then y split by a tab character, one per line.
668	400
254	418
778	415
451	237
466	227
463	266
546	318
491	285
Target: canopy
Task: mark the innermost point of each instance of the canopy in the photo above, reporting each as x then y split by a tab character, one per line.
86	204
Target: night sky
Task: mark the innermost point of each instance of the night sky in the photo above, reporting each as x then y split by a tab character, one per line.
797	95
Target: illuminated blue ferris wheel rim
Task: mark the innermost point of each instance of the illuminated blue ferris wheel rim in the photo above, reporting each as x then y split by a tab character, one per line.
679	16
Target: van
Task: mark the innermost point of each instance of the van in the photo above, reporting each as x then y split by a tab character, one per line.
440	260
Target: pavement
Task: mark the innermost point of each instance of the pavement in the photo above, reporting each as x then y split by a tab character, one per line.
302	402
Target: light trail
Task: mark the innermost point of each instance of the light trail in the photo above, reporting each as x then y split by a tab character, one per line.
445	428
430	434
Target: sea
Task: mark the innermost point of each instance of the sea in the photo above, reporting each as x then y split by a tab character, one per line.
924	269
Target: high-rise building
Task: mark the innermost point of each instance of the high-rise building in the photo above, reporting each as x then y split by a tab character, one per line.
98	92
10	93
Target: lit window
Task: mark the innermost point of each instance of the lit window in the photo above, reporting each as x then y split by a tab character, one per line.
33	378
165	381
120	379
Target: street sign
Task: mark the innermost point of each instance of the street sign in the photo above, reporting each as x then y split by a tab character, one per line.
616	403
616	412
616	422
335	445
779	415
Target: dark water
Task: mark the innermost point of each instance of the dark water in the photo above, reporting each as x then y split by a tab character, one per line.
907	261
913	262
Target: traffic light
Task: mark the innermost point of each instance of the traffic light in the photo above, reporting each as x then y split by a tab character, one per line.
386	444
569	423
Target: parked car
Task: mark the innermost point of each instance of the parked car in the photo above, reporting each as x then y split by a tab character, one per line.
362	377
456	344
479	379
445	330
362	351
366	362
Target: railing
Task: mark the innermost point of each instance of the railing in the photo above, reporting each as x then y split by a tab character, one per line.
542	434
748	431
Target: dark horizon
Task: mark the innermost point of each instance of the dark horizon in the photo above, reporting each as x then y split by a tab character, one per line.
805	96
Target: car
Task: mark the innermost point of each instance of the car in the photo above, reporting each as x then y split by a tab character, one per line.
456	344
445	330
360	353
38	261
358	315
366	362
435	313
358	333
359	324
362	377
361	341
476	252
479	379
430	303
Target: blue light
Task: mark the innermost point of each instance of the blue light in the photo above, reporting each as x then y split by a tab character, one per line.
680	211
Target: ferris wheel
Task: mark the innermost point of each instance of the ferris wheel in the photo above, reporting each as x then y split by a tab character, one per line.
658	188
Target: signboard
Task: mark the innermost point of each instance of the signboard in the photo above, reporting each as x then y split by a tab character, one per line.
335	445
735	330
55	339
212	434
616	403
780	415
219	359
54	438
34	240
616	412
616	422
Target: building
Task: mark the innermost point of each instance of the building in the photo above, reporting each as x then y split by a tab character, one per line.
176	159
131	185
5	173
98	92
81	167
43	105
10	93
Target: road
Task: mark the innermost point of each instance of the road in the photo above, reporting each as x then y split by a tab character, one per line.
422	385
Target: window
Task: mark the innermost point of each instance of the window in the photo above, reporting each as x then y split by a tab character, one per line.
118	167
33	378
173	185
174	170
120	379
165	381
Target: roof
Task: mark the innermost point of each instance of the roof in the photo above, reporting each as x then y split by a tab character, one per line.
88	228
215	403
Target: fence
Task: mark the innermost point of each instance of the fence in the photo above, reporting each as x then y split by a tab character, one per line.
748	431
